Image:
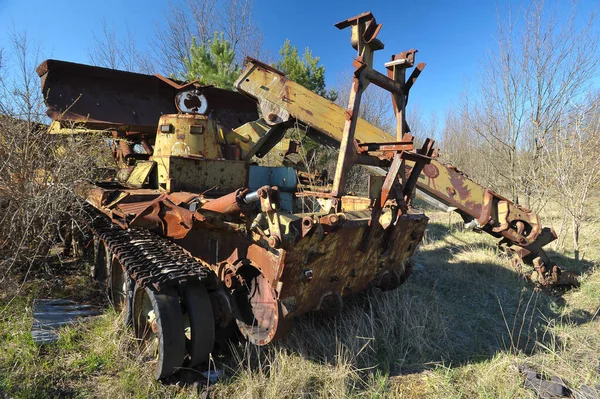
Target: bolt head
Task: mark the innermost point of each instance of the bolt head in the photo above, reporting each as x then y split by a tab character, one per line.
274	242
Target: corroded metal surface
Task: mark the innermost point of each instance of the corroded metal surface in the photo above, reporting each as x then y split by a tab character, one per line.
141	100
126	101
309	276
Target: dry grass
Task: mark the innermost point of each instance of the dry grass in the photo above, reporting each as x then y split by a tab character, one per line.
458	328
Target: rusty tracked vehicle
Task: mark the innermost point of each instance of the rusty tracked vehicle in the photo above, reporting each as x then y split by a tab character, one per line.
193	239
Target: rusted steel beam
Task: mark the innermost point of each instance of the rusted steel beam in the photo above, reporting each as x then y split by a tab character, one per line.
410	184
391	179
393	146
413	77
347	151
228	204
379	79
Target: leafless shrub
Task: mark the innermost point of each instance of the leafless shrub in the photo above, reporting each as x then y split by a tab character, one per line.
574	167
38	171
38	177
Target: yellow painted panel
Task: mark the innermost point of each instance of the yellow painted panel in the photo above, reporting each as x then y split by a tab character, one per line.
304	105
140	173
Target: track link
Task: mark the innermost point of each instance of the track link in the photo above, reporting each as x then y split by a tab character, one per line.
150	260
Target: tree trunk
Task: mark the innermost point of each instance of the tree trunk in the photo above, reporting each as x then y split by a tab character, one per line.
576	239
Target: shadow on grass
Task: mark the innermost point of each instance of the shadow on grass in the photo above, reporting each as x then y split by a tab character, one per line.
578	266
463	304
57	278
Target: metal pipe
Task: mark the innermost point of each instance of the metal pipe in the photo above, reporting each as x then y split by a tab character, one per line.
226	204
251	197
231	203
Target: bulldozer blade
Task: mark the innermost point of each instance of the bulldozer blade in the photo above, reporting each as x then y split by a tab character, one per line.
108	99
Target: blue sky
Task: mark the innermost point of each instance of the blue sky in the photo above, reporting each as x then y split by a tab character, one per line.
452	36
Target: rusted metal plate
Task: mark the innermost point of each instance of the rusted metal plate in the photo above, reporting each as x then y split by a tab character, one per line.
355	270
140	173
103	98
217	177
269	85
352	203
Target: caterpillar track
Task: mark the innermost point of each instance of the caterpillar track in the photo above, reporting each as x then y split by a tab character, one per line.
163	290
150	260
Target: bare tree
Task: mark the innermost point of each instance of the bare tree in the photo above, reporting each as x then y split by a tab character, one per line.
240	29
184	21
118	52
543	60
172	42
38	171
106	49
200	19
463	148
21	97
423	126
571	157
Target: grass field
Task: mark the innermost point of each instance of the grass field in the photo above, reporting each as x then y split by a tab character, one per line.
459	328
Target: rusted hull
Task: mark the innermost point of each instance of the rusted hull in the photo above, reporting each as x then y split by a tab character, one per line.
326	266
321	259
315	273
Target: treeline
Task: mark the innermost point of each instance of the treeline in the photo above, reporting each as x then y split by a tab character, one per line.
205	41
532	129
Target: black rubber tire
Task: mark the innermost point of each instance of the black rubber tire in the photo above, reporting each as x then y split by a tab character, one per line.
170	331
120	292
202	324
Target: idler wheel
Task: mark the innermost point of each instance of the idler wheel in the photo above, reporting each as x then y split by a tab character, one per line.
119	288
199	323
258	312
158	324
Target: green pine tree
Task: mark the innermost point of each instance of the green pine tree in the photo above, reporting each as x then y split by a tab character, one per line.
212	63
305	71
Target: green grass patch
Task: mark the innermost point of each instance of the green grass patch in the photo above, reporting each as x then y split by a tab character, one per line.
458	328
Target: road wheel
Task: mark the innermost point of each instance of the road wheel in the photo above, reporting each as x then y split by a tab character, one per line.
199	323
158	324
120	288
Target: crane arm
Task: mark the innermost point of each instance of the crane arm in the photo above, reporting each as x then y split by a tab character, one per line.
283	101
